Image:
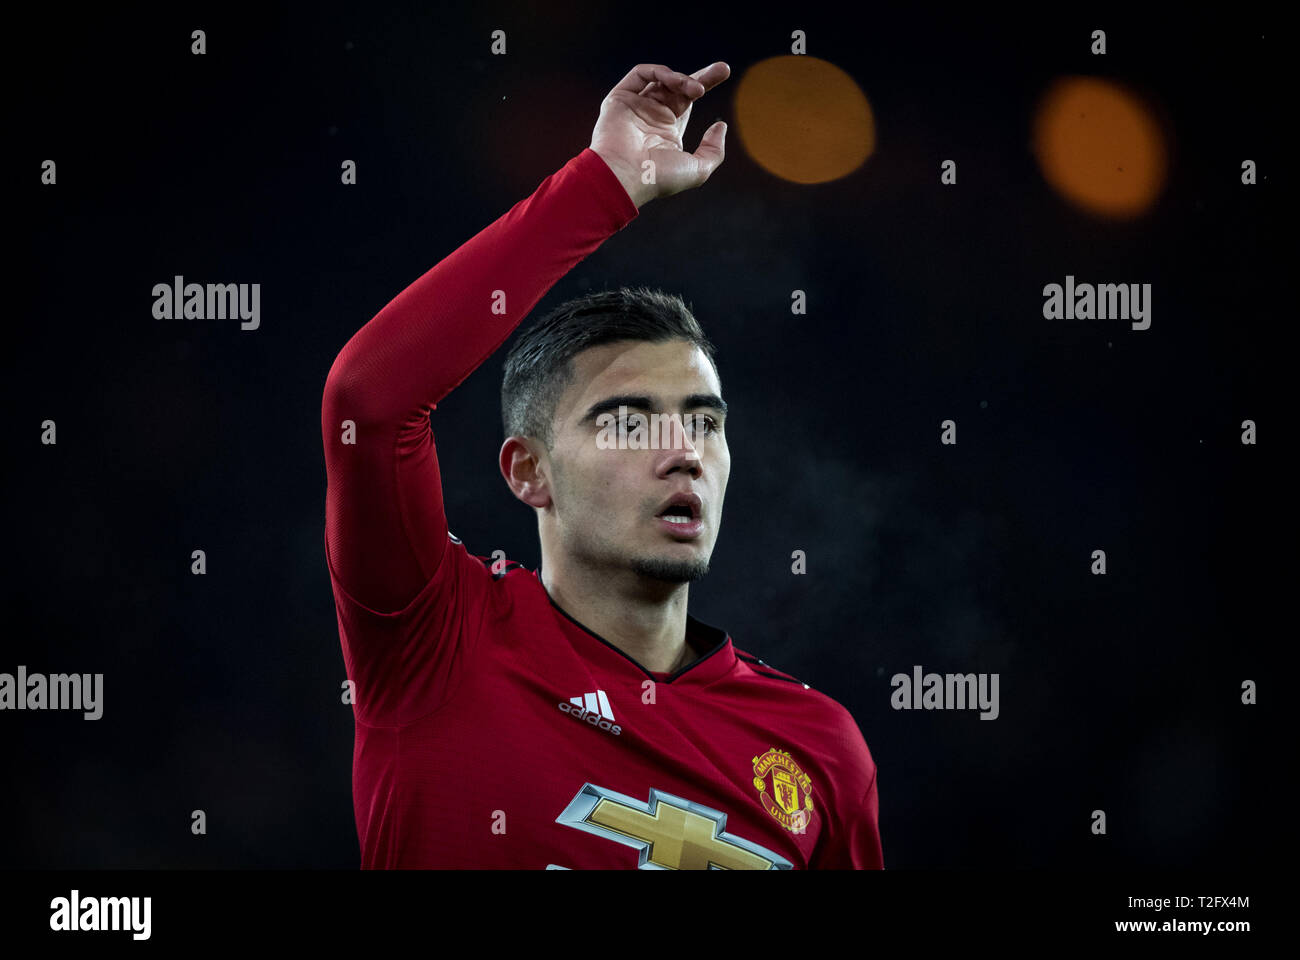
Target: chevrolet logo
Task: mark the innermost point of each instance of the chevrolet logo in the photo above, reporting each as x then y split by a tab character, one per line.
668	833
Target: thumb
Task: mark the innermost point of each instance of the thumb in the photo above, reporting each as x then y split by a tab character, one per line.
712	149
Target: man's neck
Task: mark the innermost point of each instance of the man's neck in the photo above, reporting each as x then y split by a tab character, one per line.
644	619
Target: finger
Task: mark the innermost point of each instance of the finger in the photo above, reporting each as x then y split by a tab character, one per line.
712	149
640	77
680	98
671	99
712	75
709	77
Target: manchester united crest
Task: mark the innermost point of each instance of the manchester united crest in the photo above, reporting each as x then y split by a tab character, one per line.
784	789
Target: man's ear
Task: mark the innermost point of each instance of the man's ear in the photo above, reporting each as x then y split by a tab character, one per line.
523	464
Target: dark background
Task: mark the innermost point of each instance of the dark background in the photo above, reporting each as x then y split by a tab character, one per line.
221	692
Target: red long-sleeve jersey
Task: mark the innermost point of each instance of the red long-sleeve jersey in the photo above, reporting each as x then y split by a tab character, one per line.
492	729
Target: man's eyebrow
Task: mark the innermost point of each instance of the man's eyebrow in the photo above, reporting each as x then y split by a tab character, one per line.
706	400
636	401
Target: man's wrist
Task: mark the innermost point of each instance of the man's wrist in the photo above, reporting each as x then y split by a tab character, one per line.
640	193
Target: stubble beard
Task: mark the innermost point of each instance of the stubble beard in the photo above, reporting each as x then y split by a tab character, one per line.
670	571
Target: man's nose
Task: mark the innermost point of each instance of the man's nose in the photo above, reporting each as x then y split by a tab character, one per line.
682	451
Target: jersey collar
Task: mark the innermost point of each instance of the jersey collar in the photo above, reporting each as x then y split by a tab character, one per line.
717	654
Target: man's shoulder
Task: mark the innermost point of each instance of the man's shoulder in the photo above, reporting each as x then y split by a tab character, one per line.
497	565
813	721
759	671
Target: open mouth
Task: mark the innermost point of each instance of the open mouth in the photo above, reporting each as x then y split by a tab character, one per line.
681	514
682	508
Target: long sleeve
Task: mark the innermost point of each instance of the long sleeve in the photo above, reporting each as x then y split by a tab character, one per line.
386	528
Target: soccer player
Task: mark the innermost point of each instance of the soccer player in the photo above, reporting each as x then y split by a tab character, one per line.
574	716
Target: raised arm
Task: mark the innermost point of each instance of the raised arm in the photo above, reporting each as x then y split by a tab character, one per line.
386	529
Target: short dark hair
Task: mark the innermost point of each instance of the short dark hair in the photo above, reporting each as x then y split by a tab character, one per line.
540	364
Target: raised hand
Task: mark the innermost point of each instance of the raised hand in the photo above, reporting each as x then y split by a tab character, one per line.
643	119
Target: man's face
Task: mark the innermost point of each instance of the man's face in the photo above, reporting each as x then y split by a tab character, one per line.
607	502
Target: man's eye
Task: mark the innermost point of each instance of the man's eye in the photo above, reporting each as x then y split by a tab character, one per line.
702	423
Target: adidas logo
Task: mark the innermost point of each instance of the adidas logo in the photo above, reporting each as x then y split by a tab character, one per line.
594	709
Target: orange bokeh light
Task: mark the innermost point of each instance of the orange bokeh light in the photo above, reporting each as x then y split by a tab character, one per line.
1099	147
803	119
